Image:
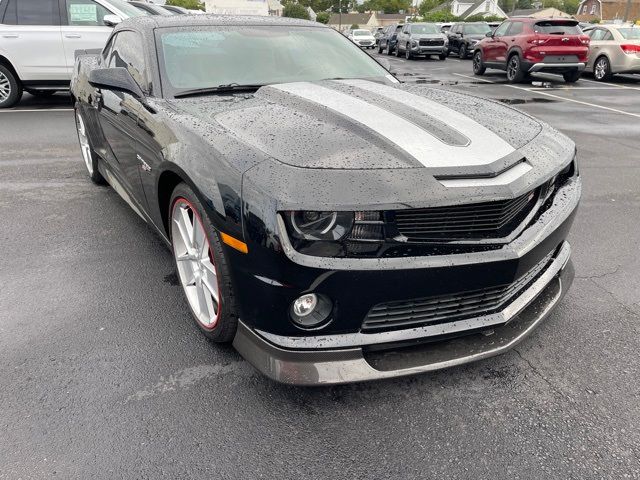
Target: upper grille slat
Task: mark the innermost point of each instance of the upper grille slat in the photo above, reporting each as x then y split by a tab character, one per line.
480	220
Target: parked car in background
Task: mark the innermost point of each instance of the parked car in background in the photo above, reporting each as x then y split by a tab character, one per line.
493	25
389	38
377	33
362	37
527	45
152	9
445	27
463	37
176	10
451	249
39	38
613	49
421	39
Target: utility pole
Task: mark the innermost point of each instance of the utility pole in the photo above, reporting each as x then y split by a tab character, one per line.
340	16
627	11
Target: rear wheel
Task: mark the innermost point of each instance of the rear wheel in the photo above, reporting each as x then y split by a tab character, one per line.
443	56
396	51
478	64
389	49
88	155
202	267
514	69
379	49
602	69
407	53
10	88
571	77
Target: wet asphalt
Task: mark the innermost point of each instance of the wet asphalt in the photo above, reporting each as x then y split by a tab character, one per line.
103	375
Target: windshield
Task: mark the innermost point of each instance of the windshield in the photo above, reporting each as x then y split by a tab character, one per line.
361	33
252	55
630	33
426	28
477	28
126	8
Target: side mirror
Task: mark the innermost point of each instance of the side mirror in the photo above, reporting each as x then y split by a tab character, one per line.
111	20
489	34
460	34
118	79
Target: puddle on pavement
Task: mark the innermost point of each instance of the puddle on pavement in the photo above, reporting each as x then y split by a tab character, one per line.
520	101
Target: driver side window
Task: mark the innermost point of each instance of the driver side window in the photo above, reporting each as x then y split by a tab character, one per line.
127	51
502	29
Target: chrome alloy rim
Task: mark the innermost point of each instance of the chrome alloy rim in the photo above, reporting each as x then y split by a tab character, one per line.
196	268
601	68
513	68
84	143
5	87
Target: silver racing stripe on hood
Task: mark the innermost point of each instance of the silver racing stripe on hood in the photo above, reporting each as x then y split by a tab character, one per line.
484	146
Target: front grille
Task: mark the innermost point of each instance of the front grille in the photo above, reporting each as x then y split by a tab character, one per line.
432	43
447	308
469	221
366	42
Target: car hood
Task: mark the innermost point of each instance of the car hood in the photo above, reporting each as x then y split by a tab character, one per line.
359	124
427	36
477	38
403	141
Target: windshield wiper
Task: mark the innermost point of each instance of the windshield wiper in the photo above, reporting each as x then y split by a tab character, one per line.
231	87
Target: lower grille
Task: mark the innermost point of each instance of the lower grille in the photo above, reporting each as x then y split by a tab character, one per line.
470	221
447	308
432	43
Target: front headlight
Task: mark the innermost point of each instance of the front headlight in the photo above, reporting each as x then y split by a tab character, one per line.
335	234
310	225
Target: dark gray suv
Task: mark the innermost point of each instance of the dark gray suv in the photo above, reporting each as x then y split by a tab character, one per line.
387	42
422	39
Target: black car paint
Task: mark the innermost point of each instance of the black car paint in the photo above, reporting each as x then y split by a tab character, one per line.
459	38
210	143
389	38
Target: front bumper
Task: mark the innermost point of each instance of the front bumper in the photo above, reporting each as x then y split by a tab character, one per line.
332	365
428	49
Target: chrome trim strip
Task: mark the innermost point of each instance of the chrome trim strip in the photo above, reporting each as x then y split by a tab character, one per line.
539	66
505	178
359	339
564	203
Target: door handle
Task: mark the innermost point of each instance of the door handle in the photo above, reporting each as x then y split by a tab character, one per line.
72	35
11	35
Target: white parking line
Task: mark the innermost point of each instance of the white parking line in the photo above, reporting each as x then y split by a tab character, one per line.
610	84
17	110
538	92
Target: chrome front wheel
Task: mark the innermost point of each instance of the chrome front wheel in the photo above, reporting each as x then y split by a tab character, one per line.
195	262
85	148
602	69
5	88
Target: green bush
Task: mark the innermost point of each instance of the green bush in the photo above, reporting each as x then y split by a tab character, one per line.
323	17
355	26
295	10
188	4
481	18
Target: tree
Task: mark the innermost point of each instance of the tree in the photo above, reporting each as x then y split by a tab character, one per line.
188	4
295	10
323	17
483	18
355	26
440	16
387	6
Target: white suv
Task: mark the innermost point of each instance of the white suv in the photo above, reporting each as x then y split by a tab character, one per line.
38	40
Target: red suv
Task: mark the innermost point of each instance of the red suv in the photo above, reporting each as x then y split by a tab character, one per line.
526	45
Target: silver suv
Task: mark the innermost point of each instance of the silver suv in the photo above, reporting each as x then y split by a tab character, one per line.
38	40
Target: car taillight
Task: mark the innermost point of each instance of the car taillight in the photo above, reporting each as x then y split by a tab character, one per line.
538	41
630	49
584	40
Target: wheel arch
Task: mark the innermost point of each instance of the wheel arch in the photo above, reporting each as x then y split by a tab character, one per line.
4	61
168	180
515	50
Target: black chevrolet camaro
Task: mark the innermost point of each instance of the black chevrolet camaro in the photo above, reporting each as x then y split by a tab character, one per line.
332	223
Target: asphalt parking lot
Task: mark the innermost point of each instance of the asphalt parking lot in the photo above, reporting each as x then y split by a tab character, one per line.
103	374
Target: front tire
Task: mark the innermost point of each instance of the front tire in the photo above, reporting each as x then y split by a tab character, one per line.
571	77
463	51
396	51
88	154
602	69
202	267
515	74
10	88
443	56
478	64
407	53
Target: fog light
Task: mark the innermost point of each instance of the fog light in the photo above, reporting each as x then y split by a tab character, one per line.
305	305
310	310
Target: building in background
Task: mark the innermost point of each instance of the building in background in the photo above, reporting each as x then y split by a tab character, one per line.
607	10
540	13
344	21
465	9
237	7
